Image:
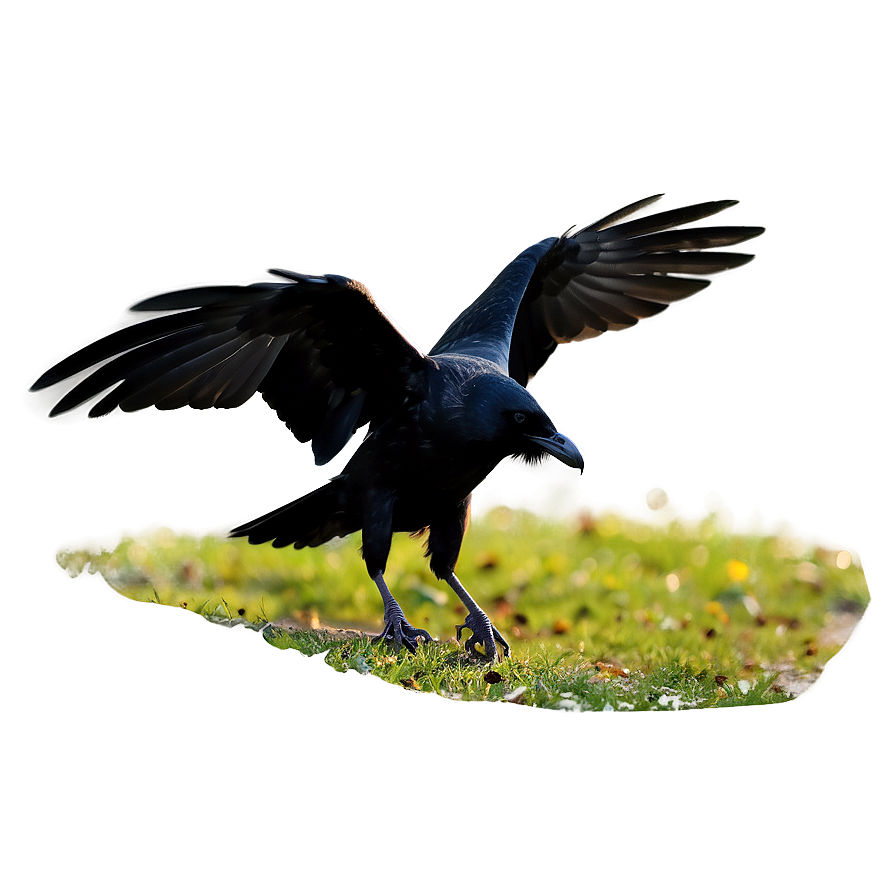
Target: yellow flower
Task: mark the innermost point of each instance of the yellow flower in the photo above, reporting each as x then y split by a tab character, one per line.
717	610
737	570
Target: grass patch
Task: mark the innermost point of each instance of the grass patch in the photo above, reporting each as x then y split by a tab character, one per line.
601	613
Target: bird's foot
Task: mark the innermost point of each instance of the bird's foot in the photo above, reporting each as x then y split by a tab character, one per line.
399	631
484	633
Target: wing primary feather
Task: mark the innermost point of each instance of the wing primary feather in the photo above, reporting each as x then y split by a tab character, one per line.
149	388
665	220
618	215
202	296
119	368
114	344
655	289
671	263
297	278
687	239
105	405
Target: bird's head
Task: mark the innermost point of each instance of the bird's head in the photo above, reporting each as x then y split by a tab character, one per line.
500	411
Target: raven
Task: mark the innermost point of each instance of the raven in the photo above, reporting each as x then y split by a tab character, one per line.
329	362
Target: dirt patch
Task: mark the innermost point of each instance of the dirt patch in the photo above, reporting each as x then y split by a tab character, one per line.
835	634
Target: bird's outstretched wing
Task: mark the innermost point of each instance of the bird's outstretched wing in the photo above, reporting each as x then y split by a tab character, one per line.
318	349
606	276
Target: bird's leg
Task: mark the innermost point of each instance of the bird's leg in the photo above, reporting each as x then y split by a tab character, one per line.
376	534
478	623
396	627
446	533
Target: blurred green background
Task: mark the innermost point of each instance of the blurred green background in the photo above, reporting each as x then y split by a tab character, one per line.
418	147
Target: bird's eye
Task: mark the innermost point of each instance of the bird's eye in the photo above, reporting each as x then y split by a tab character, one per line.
519	417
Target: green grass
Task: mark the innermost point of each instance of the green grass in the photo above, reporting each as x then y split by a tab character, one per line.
601	613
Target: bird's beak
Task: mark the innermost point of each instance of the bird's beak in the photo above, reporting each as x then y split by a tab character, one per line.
562	448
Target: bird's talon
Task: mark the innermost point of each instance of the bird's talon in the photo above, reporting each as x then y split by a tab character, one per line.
499	638
400	632
484	633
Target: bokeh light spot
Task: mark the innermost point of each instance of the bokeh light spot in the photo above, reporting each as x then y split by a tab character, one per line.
700	555
164	536
657	499
137	553
501	518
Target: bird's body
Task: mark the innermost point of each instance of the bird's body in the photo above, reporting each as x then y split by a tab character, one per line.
324	357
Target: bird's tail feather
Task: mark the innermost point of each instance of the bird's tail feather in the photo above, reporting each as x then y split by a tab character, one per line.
306	522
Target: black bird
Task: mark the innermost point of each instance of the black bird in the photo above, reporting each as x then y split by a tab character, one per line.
328	362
